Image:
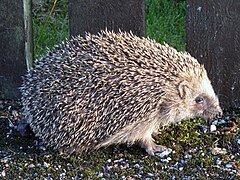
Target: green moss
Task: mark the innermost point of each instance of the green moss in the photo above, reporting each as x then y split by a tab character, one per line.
184	136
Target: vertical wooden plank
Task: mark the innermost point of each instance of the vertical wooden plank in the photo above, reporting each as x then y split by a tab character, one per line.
95	15
27	8
213	37
12	48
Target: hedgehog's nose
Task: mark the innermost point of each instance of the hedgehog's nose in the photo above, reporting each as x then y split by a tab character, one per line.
219	112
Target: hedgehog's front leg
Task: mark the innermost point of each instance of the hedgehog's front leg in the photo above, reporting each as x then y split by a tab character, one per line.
151	147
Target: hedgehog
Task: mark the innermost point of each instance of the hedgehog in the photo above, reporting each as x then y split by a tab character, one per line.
113	88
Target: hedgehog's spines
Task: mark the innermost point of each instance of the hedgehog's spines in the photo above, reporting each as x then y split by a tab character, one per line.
111	87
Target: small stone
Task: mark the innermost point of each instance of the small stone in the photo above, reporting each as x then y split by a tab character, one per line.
42	148
100	174
238	141
182	161
3	173
118	160
227	118
222	121
109	167
10	123
15	114
194	170
165	161
228	165
48	178
234	171
176	165
205	129
188	156
213	128
136	166
215	122
218	162
62	175
181	168
4	160
216	151
109	160
164	153
151	174
31	166
186	178
46	164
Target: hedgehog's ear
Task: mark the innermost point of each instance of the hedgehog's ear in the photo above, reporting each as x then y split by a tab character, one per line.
183	89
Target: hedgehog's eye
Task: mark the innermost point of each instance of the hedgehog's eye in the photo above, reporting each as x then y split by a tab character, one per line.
199	100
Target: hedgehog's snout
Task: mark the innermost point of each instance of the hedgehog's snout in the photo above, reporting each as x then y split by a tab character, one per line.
213	112
216	109
219	112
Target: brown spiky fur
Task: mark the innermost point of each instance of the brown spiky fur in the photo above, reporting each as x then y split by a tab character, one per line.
113	88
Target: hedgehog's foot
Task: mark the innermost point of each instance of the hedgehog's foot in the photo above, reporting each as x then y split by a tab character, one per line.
151	147
155	134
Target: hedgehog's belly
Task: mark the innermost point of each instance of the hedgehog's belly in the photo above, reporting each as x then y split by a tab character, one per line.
137	132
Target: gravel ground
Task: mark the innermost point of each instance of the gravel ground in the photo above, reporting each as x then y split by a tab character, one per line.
198	149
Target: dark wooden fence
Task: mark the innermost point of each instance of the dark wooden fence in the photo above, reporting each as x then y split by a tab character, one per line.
15	45
213	37
95	15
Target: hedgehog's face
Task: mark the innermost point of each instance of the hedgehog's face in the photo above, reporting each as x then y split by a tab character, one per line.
199	100
206	106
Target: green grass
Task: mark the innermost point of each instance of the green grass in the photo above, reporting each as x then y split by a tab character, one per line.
49	30
164	23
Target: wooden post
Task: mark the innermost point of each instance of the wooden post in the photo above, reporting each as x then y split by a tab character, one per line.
213	37
94	15
12	47
27	7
